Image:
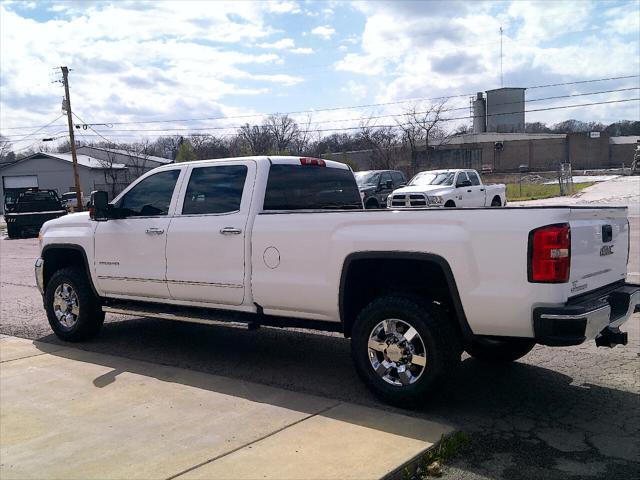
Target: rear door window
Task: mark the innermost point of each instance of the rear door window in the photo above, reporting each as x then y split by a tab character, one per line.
398	178
215	189
299	187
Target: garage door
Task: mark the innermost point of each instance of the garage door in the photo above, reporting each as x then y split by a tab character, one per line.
20	181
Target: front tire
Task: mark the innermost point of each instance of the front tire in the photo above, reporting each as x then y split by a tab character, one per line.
73	310
404	349
450	204
500	350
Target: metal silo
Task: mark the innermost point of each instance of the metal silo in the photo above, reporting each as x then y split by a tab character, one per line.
479	111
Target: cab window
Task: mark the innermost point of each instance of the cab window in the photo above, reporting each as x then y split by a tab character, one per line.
152	196
215	189
473	178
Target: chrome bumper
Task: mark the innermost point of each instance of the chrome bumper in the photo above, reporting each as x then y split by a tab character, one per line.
586	319
39	271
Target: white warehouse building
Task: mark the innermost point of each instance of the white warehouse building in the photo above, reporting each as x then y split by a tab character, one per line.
54	171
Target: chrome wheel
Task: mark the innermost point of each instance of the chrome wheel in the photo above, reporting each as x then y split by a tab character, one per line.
65	305
397	352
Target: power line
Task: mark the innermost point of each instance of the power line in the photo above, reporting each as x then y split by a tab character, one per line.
398	102
233	127
38	130
442	119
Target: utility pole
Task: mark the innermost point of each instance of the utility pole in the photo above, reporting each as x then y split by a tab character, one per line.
501	77
74	157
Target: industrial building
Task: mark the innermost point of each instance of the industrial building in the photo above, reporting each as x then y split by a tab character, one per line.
99	168
54	171
499	144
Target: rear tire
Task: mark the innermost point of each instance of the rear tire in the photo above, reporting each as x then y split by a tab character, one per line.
402	374
371	205
73	310
496	202
500	351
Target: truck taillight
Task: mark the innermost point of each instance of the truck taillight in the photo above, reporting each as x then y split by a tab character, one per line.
550	254
318	162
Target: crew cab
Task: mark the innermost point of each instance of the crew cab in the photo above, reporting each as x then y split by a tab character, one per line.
447	188
30	210
376	185
285	241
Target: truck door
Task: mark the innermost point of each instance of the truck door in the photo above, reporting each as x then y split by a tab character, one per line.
130	252
206	241
477	197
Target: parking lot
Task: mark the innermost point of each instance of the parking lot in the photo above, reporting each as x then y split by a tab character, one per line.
557	413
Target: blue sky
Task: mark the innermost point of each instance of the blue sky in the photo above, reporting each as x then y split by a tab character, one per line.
139	61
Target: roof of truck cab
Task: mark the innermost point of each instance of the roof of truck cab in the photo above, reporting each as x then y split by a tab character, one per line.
271	159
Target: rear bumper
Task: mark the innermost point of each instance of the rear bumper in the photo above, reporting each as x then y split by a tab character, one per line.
587	318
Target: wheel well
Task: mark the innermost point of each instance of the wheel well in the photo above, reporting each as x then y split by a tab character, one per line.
369	277
450	203
497	197
56	258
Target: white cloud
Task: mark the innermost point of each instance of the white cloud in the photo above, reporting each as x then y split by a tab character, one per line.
302	51
284	7
282	44
356	90
324	31
129	62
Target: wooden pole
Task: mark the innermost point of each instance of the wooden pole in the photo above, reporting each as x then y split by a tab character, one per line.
74	156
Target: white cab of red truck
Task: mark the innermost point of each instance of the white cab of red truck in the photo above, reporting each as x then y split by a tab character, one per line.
447	188
285	241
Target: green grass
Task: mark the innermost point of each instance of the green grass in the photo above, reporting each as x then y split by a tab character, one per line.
534	191
449	447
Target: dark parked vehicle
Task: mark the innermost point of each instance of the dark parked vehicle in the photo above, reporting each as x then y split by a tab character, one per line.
376	185
29	211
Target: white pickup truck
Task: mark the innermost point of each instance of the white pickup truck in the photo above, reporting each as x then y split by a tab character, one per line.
285	241
447	188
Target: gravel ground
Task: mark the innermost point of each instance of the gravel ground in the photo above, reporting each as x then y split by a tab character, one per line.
558	413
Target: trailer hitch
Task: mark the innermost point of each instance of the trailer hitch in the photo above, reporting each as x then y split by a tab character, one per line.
610	337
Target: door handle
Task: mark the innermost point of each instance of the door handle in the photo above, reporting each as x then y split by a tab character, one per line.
230	231
154	231
482	189
469	191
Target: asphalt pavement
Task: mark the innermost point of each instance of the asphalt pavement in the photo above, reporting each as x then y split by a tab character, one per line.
557	413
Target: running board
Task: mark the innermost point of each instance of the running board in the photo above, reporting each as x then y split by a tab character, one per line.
178	313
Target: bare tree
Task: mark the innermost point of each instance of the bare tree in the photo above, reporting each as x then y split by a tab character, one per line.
301	142
256	138
423	129
283	130
115	177
383	142
138	153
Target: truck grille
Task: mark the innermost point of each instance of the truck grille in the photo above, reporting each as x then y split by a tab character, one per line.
401	200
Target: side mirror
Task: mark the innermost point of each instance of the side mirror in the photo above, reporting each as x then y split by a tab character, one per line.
389	184
99	206
464	183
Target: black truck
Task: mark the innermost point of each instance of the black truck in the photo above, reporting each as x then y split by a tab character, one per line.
30	210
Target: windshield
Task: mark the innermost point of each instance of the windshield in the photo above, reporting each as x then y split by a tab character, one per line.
366	178
433	178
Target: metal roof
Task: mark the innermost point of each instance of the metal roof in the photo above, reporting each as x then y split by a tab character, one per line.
83	160
626	139
129	153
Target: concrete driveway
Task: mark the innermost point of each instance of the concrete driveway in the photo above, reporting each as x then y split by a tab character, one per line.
558	413
69	413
